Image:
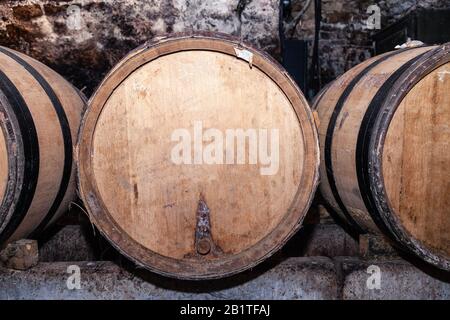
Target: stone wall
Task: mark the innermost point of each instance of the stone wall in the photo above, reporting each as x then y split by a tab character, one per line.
344	39
83	39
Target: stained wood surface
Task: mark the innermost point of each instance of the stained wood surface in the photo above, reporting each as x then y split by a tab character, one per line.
3	164
50	139
346	133
31	87
416	161
147	205
73	103
325	106
391	176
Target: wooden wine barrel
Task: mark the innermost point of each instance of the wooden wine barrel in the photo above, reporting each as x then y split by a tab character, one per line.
39	117
385	142
161	169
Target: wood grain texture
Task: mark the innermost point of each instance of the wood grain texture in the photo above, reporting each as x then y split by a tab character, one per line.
3	164
416	161
50	143
325	108
74	103
147	205
52	150
346	134
389	134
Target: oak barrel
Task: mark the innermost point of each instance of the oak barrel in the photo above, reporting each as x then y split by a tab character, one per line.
40	114
198	156
385	143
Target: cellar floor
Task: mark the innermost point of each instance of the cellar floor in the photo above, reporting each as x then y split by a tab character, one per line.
295	278
66	272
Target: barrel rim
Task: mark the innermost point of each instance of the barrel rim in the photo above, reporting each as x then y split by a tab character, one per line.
326	189
416	72
66	133
16	165
338	209
189	269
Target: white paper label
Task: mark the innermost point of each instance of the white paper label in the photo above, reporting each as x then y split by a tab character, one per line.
244	55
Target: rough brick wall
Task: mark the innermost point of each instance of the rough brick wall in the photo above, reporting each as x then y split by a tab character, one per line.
84	49
83	39
344	40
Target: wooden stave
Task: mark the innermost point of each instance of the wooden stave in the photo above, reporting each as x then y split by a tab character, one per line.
416	72
365	129
385	218
12	134
333	197
74	104
135	251
340	91
68	104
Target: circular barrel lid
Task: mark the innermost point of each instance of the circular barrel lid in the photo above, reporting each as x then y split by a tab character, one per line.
198	157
